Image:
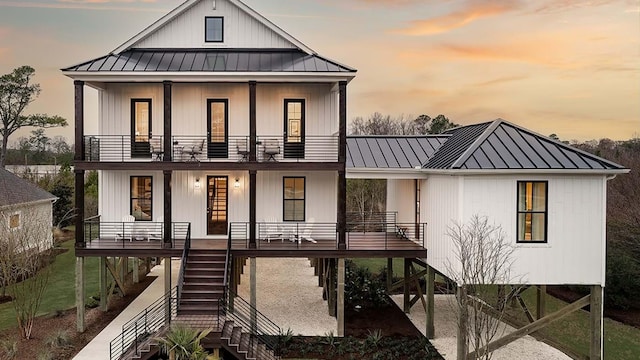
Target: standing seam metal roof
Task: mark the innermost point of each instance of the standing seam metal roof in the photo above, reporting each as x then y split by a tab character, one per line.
210	60
393	152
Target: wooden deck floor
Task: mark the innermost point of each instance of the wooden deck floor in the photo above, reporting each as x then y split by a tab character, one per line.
374	244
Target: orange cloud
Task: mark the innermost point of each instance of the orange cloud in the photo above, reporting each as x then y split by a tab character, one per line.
500	80
84	5
474	11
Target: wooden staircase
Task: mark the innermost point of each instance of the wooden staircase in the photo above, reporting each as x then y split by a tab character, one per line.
242	344
203	282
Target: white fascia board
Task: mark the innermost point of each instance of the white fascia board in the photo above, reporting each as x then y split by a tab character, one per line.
30	203
210	76
364	173
525	171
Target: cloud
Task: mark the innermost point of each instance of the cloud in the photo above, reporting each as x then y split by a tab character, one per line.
473	11
568	5
500	80
84	5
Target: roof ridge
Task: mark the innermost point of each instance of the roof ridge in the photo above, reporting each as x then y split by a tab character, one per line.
477	142
400	136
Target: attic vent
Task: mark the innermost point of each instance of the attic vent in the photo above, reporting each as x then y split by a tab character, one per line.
213	4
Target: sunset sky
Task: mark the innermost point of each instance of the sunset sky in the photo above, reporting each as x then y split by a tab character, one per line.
570	67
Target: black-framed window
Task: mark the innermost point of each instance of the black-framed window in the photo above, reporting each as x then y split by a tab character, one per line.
213	29
294	111
141	198
532	211
293	202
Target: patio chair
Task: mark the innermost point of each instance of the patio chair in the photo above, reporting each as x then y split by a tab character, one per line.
305	234
127	227
271	230
156	231
271	149
243	149
157	152
195	151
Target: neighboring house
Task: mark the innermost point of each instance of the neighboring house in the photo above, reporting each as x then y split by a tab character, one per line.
221	137
25	204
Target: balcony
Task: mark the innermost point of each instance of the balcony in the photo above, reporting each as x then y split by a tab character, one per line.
196	148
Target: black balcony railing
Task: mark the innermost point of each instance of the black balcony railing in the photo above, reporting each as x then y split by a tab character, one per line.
201	148
123	234
362	235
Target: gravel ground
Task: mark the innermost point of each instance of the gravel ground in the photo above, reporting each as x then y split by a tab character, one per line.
526	348
288	294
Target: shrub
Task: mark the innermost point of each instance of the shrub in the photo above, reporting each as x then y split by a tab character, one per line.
9	348
362	287
623	280
59	339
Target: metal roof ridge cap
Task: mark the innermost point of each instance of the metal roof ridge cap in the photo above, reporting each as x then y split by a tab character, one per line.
427	136
525	171
565	146
476	143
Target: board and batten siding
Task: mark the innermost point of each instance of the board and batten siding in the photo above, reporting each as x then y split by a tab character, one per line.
240	30
320	195
190	204
189	107
40	212
401	199
574	253
440	208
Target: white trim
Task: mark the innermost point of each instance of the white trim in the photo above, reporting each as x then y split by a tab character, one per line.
210	76
189	4
50	200
525	171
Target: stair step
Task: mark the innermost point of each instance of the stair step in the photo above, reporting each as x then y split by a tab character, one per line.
197	310
235	335
226	329
244	342
202	294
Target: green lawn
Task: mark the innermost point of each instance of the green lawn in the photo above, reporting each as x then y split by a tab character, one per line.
620	341
376	265
60	292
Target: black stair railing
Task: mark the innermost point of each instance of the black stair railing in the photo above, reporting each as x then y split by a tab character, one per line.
145	325
250	319
183	263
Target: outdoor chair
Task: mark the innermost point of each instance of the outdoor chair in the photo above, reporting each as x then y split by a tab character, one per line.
157	152
243	149
126	229
156	231
271	231
271	149
305	234
195	151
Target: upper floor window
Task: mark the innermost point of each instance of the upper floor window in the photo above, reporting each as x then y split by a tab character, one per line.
532	211
141	197
214	29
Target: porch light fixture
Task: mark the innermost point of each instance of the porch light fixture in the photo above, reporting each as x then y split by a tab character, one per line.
197	184
236	184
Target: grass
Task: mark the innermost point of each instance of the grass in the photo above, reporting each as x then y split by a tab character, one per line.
376	265
620	341
60	292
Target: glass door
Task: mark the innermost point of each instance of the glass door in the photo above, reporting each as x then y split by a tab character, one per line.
217	132
140	127
217	202
294	128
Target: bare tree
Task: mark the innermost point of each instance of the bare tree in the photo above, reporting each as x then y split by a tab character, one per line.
25	238
483	263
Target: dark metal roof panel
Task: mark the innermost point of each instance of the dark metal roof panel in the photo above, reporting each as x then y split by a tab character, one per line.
211	60
391	152
461	139
508	146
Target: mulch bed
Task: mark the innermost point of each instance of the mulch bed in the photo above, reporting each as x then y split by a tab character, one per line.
46	326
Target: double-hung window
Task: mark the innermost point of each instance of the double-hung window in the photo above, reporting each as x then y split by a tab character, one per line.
214	29
293	199
141	198
532	211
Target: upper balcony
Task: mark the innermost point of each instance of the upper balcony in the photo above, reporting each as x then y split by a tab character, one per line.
202	148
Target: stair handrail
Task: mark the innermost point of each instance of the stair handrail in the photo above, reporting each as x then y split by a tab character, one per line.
227	264
183	261
265	330
147	323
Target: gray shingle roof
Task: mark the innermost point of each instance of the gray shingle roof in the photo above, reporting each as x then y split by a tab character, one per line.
402	152
210	60
15	190
503	145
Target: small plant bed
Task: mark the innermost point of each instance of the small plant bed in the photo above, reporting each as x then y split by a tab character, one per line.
374	346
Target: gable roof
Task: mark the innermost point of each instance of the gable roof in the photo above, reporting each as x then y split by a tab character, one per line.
210	60
384	152
501	145
190	3
15	190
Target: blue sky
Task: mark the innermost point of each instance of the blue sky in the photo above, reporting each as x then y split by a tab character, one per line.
570	67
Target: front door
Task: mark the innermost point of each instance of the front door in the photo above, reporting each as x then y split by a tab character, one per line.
294	128
217	132
217	196
140	127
